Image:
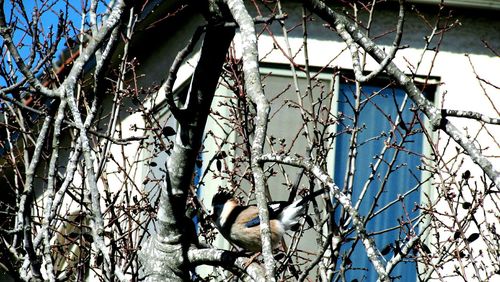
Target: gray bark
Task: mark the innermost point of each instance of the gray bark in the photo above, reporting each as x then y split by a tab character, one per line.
165	255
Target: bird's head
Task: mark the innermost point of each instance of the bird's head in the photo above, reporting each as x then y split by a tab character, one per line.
220	199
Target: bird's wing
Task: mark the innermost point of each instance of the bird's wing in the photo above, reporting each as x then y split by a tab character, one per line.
247	216
253	222
274	208
286	212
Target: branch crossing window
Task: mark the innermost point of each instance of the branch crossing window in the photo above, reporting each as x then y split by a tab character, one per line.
382	177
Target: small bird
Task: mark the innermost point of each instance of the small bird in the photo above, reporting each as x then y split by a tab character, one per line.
240	224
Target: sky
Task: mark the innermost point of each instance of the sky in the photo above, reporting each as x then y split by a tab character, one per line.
49	10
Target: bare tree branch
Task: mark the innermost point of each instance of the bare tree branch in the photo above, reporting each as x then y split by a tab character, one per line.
436	119
254	90
174	68
168	247
25	204
392	51
5	32
470	115
67	90
371	250
228	260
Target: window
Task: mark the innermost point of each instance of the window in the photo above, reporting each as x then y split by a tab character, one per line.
386	119
389	150
389	134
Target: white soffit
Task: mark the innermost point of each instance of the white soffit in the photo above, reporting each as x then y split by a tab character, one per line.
485	4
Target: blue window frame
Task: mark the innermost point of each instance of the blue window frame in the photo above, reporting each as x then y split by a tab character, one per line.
378	115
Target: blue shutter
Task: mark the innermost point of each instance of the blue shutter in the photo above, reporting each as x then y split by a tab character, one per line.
399	182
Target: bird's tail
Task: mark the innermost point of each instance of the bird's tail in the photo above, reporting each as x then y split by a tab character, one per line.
292	213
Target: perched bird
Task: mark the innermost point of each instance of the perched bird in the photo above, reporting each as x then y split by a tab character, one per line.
240	224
